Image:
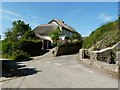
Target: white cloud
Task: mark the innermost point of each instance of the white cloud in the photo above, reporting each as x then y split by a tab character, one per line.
3	11
105	18
29	19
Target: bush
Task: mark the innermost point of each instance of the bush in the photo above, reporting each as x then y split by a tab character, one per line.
16	55
69	42
21	49
30	35
106	35
7	55
76	36
16	44
7	47
31	47
55	35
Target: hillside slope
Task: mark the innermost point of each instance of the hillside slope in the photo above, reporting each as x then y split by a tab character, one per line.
104	36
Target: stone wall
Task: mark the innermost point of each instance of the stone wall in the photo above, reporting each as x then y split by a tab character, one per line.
100	59
84	53
116	46
102	55
65	50
107	58
118	56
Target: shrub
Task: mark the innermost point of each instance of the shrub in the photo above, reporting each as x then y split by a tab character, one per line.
106	35
7	55
60	42
31	47
7	47
76	36
16	55
16	44
55	35
69	42
0	45
21	49
30	35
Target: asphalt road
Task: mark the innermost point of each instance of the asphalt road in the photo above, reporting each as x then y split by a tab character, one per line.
61	72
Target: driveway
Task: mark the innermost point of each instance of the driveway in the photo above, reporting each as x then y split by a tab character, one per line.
58	72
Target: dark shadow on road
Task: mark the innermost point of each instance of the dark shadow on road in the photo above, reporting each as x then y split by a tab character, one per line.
28	59
12	68
42	52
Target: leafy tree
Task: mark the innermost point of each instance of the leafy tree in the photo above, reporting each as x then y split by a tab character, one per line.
8	35
19	28
19	42
29	35
55	35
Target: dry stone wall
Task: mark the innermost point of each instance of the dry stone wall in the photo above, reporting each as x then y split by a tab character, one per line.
65	50
102	55
105	58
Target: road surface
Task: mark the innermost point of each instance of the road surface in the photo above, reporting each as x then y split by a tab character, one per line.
60	72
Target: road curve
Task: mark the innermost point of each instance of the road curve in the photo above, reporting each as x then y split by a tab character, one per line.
60	72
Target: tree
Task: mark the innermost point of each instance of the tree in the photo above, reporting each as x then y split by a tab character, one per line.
8	35
29	35
19	42
55	35
19	28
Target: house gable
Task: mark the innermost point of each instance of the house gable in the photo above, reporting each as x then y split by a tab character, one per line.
67	30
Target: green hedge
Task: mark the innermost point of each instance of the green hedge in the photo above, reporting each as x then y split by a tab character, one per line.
31	47
17	55
21	49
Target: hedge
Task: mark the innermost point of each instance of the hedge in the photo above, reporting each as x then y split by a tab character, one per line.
21	49
31	47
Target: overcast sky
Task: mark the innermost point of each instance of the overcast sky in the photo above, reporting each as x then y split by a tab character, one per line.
82	16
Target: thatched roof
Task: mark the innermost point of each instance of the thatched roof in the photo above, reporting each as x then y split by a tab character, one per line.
45	29
63	25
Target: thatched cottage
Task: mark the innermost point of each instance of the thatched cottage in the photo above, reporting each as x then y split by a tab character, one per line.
43	31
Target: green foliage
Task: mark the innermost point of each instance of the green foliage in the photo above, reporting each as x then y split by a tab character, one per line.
29	35
8	35
106	35
76	36
0	45
31	47
19	28
22	48
20	42
69	42
55	35
118	50
7	47
17	55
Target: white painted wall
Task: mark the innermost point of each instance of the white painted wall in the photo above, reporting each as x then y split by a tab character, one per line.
62	37
65	32
53	22
48	38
